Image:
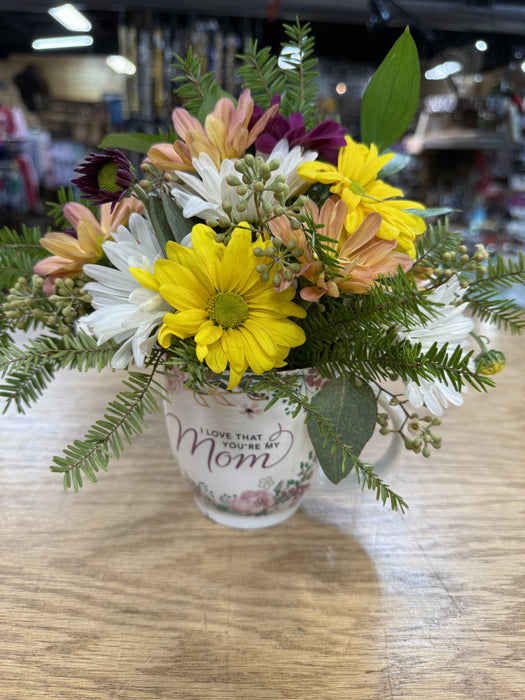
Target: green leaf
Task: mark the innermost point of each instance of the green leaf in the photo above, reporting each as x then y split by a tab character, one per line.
131	142
392	96
398	163
213	95
167	220
179	225
430	213
351	410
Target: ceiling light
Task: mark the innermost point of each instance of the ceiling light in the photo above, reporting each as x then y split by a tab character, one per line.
481	45
70	18
443	70
63	42
121	65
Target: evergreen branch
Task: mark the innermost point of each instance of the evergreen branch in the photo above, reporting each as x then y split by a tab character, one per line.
295	82
123	419
195	86
364	472
56	209
260	73
343	340
483	294
301	91
28	370
438	239
502	313
26	387
19	253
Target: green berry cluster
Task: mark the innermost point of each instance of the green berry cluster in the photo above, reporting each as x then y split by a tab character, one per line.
26	302
416	432
460	262
282	263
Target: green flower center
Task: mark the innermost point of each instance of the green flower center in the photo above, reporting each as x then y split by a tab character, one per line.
228	309
107	177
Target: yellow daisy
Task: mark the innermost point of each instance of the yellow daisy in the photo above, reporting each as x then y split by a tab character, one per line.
236	319
354	180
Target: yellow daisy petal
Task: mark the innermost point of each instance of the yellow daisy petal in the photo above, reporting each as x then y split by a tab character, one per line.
236	319
208	333
186	323
144	278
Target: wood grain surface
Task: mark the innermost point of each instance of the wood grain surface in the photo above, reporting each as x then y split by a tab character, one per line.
126	591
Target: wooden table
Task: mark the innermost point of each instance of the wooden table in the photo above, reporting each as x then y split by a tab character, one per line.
125	590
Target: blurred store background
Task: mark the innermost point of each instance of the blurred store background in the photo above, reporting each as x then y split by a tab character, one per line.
466	144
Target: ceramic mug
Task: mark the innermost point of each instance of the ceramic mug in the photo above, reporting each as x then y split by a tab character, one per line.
248	468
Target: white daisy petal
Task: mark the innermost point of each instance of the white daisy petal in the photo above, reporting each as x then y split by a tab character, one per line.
447	324
124	311
202	193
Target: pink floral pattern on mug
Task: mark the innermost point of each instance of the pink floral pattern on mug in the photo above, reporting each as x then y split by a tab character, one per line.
252	502
264	500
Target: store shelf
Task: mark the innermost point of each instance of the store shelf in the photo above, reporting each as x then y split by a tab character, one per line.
459	139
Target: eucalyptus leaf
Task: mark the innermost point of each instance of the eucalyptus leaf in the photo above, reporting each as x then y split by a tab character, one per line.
398	163
178	224
351	410
131	142
159	220
392	96
433	211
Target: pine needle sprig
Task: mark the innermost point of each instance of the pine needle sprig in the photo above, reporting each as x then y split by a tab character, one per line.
438	240
29	369
195	86
301	90
260	73
296	81
362	339
124	418
65	195
350	461
484	294
489	307
19	253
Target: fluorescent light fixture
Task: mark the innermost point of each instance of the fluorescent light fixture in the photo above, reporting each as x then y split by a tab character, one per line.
522	66
481	45
443	70
121	64
63	42
70	18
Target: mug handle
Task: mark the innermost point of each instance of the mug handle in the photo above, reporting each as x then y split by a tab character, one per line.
391	453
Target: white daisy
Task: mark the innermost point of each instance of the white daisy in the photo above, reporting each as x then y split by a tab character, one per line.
125	311
447	324
202	195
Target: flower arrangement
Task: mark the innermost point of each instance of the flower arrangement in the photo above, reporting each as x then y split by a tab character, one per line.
258	236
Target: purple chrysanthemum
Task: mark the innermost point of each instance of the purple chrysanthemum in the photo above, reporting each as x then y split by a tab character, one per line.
105	177
326	138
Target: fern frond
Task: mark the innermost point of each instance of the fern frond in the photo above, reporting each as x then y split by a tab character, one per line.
123	419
